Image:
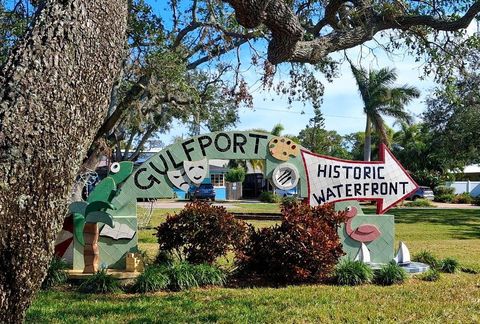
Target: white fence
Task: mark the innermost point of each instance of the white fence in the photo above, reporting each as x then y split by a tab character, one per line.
473	187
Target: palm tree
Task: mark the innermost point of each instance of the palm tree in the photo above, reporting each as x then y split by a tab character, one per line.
381	99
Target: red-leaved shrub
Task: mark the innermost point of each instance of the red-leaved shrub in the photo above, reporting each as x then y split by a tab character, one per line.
304	248
200	233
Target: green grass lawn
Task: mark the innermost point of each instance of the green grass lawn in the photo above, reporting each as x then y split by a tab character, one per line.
455	298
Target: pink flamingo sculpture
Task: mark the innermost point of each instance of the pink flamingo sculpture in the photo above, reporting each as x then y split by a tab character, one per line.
363	233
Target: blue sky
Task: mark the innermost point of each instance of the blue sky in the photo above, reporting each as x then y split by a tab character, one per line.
342	106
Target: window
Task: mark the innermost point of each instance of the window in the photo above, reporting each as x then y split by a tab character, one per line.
217	180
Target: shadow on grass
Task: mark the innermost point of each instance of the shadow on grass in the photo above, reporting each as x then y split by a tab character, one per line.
466	221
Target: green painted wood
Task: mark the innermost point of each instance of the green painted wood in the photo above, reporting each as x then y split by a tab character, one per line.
149	180
104	191
382	249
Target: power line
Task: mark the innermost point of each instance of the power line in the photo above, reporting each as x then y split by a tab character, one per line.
303	113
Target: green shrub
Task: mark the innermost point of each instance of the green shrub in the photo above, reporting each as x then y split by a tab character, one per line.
389	274
419	203
449	265
443	190
430	275
472	270
207	275
426	257
235	175
184	275
181	276
153	278
463	198
200	233
445	198
269	197
476	201
289	201
100	283
352	273
305	247
163	258
178	276
56	274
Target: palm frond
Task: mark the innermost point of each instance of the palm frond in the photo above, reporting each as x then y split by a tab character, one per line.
277	129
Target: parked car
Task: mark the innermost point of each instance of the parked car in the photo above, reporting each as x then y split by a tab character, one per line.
286	193
422	192
204	191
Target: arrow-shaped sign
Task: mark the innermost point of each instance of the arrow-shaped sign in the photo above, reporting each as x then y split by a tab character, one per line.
330	180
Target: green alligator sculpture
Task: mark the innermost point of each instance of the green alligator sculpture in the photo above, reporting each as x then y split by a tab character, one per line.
87	214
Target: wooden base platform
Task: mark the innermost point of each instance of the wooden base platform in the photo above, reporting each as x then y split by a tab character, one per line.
117	274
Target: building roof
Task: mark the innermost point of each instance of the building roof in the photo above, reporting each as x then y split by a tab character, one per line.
218	169
474	168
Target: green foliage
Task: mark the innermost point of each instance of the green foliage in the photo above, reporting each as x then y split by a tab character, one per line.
269	197
163	257
380	99
419	203
443	190
178	276
200	233
453	115
463	198
431	177
449	265
445	198
304	248
56	274
153	278
184	275
235	175
289	201
323	141
426	257
208	275
389	274
476	201
472	270
13	24
352	273
431	275
100	283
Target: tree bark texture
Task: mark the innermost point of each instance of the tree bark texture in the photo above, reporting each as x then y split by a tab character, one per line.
54	93
287	41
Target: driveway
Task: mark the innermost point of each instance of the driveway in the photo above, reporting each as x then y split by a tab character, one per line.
168	204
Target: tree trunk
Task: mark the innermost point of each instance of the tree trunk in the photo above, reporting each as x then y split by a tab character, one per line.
367	149
54	93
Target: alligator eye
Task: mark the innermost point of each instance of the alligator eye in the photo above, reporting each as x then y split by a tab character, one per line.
115	167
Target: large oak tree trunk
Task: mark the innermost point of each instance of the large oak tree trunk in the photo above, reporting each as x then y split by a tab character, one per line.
54	93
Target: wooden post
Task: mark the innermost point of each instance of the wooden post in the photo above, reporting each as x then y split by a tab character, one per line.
90	250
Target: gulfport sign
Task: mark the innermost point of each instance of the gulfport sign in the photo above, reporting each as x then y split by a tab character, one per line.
332	180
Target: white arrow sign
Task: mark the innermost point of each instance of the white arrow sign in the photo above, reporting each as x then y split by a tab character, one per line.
330	180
